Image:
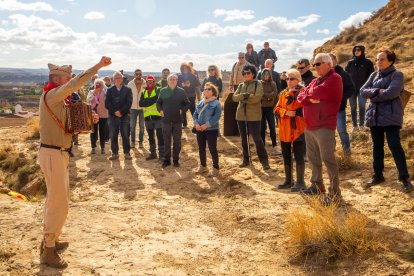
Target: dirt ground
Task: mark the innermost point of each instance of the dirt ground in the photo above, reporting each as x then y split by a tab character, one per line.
134	218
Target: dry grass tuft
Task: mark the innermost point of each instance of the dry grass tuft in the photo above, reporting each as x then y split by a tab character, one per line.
328	233
33	129
409	255
346	163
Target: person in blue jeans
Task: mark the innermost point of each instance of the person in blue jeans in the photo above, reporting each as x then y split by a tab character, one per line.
206	124
385	115
137	86
348	89
118	102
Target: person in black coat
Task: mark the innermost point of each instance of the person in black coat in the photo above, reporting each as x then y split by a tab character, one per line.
303	66
348	91
251	56
214	76
360	68
118	101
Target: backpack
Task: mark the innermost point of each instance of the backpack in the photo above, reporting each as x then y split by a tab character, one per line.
255	86
405	95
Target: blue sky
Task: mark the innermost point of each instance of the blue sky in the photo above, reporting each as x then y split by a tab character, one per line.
154	34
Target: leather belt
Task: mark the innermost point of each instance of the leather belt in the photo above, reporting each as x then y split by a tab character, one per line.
54	147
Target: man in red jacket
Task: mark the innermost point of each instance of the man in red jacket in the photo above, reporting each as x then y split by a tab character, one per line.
321	100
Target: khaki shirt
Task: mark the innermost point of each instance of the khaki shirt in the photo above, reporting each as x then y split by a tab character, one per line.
236	74
50	132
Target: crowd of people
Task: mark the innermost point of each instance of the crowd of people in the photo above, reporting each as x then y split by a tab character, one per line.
302	110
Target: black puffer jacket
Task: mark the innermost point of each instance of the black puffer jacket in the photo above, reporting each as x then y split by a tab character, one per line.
360	68
347	84
307	77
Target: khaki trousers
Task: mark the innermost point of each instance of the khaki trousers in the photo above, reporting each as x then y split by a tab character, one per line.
55	167
320	147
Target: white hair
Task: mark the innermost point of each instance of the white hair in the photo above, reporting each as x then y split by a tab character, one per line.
295	73
101	81
117	73
170	76
324	57
269	61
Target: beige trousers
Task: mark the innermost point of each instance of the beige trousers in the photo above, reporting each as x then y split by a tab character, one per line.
55	167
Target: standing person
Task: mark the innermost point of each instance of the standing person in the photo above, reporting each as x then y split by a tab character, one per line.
251	56
164	75
269	100
188	81
92	81
152	117
53	157
283	82
214	76
107	81
275	75
291	131
96	98
321	100
198	88
206	122
230	107
137	85
118	102
265	54
348	89
172	103
303	66
385	115
249	115
360	68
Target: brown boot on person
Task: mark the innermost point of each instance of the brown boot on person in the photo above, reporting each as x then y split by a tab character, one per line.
59	245
51	258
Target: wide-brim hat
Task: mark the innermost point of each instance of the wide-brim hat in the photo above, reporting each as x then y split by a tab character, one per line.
64	70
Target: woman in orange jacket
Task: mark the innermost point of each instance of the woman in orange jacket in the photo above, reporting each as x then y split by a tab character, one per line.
291	131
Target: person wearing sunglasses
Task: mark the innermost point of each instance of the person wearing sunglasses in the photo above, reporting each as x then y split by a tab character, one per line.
303	66
289	113
137	85
251	56
214	77
249	115
385	115
269	99
206	124
275	75
360	68
96	98
321	100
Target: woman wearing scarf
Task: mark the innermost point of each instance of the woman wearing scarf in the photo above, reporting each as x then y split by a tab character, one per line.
385	116
96	98
291	131
206	122
188	81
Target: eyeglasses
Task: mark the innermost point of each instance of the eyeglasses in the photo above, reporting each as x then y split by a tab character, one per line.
208	89
357	50
317	64
300	68
241	57
246	73
379	59
291	79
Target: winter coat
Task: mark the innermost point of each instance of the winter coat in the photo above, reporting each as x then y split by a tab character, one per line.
210	116
360	68
263	55
385	108
253	58
348	86
290	128
270	92
308	77
275	77
189	83
98	103
217	82
173	103
252	103
118	100
327	89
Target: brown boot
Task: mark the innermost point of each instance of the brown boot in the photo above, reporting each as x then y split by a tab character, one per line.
51	258
59	245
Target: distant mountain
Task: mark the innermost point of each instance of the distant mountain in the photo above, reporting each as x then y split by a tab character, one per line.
23	75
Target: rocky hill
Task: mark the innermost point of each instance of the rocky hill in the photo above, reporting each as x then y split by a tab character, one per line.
391	26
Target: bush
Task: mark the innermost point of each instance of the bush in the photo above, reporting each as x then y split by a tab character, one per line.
33	129
360	37
326	233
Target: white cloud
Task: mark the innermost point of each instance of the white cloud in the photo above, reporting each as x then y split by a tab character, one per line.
323	31
354	20
94	15
230	15
267	26
14	5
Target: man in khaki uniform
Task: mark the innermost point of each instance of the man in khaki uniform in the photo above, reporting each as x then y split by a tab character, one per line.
53	155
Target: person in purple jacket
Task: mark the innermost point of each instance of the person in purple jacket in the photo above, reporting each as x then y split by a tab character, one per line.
385	115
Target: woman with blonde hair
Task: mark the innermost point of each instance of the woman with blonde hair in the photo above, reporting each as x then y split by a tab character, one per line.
214	77
289	113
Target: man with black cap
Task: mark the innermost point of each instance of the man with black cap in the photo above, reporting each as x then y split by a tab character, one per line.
360	68
53	155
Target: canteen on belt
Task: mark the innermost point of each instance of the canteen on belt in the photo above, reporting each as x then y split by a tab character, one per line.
18	195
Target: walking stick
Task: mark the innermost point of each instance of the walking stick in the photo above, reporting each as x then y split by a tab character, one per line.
247	133
293	127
